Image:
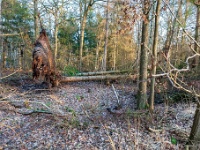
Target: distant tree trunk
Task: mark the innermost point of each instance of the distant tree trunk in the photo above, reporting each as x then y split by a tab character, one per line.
106	40
195	131
56	37
197	34
115	55
154	60
170	34
20	58
86	8
4	54
83	24
96	64
36	20
142	91
1	39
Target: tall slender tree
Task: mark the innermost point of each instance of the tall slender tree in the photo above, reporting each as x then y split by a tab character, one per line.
36	20
85	7
195	131
106	38
1	39
197	34
154	55
142	91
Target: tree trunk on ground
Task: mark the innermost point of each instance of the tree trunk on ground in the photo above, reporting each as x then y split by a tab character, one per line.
101	72
194	139
142	92
154	57
96	78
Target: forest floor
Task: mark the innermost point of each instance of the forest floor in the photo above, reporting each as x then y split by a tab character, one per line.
87	116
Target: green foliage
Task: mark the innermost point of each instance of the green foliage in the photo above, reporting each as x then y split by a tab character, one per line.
79	98
68	109
74	121
49	104
182	65
68	35
16	15
173	141
70	71
179	96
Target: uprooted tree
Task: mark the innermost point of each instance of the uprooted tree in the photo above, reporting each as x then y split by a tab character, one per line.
43	64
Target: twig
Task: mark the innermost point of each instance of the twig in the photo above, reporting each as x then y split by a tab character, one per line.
34	111
154	130
110	139
181	24
87	114
116	94
9	75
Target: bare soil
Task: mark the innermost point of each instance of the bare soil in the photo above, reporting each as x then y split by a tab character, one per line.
87	116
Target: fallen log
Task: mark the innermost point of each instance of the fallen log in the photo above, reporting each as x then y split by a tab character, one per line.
96	78
100	72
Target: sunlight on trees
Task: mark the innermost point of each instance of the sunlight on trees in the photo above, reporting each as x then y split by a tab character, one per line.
155	41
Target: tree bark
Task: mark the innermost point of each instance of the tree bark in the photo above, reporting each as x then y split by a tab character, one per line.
106	40
195	131
87	7
101	72
96	78
142	92
96	64
36	19
1	39
170	34
56	36
197	34
154	57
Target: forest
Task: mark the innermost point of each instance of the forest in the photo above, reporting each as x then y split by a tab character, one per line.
100	74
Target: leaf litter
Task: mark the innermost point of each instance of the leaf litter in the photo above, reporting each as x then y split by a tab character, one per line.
87	115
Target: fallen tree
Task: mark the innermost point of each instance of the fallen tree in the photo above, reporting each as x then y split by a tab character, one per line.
96	78
101	72
43	63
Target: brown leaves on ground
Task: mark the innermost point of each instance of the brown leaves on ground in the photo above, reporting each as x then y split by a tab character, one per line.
76	116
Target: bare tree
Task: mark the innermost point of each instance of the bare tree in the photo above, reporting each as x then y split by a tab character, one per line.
85	6
106	38
36	20
142	91
197	34
154	55
1	39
